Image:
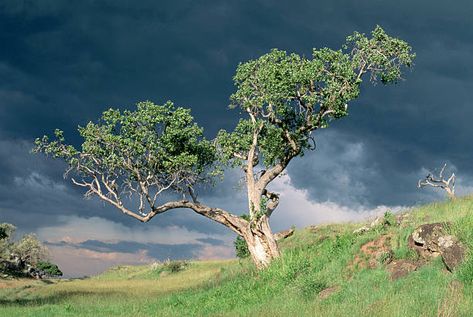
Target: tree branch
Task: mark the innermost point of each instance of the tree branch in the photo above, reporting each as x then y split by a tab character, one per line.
448	185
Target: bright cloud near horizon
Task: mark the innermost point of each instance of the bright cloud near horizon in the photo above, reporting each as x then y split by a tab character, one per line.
65	63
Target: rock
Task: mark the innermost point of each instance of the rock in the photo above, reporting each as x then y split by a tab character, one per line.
283	234
453	252
402	219
425	239
378	221
431	240
313	228
361	230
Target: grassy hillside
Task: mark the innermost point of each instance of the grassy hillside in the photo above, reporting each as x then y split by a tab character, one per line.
322	272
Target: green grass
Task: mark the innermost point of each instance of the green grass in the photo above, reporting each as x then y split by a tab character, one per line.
312	260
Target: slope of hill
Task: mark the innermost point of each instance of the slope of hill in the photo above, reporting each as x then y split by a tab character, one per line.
324	271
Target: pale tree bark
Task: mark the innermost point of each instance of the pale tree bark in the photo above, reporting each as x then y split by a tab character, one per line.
446	184
261	243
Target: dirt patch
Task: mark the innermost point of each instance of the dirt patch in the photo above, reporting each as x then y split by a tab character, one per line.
401	268
374	253
328	291
378	252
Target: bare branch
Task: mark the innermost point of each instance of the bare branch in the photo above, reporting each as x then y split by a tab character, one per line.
440	182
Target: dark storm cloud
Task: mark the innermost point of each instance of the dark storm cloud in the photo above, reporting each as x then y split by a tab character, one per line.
64	62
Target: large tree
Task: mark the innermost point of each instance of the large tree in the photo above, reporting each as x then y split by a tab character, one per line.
284	98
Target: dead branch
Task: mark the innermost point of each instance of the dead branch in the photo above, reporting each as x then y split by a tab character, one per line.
446	184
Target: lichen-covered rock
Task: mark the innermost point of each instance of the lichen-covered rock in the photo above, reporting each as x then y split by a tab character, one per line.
427	236
283	234
453	252
431	240
361	230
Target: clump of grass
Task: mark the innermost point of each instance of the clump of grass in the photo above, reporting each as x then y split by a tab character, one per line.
389	219
310	286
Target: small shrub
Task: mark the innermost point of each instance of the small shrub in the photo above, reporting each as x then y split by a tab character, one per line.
241	248
49	268
175	266
389	219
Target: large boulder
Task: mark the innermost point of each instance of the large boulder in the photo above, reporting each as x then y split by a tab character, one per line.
431	240
453	252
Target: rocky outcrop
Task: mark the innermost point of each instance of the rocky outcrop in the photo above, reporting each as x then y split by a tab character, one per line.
283	234
431	240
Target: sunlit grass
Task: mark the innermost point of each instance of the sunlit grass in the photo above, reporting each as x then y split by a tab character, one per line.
313	260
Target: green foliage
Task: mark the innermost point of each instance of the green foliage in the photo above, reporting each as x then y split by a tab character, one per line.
29	249
15	256
3	233
290	95
49	268
157	146
175	266
383	53
384	257
389	219
241	248
6	241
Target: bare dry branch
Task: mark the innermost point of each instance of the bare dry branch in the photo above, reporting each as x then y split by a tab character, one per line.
440	182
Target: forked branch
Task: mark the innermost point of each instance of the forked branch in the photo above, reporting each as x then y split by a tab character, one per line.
446	184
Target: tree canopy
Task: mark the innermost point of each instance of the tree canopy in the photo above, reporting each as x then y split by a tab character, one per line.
143	152
288	96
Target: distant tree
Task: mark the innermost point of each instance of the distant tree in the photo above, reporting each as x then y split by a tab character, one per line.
49	269
30	250
7	230
23	257
446	184
285	98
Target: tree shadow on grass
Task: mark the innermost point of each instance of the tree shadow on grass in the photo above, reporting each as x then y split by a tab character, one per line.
50	299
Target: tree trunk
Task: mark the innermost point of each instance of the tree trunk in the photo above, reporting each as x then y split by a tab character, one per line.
261	243
450	193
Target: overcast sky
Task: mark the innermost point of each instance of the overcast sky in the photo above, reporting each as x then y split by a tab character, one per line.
62	63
